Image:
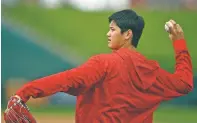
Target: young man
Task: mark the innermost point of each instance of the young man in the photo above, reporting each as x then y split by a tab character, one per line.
120	87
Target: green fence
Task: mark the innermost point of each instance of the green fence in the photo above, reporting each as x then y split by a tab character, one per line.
21	58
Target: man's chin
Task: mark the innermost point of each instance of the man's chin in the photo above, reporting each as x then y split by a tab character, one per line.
109	46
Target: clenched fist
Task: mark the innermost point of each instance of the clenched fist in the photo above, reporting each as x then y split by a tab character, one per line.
175	31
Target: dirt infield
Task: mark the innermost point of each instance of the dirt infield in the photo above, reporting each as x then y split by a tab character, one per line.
55	119
51	119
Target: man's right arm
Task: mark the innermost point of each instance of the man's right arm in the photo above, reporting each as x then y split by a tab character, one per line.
181	81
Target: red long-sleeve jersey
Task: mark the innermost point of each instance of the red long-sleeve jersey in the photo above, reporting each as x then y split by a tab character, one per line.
121	87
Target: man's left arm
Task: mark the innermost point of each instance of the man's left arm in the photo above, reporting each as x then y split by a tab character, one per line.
73	81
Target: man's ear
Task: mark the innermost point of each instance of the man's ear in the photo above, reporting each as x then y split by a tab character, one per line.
128	34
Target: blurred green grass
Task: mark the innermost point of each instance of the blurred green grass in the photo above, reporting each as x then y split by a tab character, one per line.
86	32
176	115
162	115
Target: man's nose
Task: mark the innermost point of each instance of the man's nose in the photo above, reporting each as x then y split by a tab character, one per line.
108	34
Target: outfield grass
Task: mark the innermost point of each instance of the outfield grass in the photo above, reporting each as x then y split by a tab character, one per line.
176	115
162	115
86	32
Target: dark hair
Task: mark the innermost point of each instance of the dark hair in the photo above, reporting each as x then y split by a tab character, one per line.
128	19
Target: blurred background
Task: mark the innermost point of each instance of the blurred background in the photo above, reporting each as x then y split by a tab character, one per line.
43	37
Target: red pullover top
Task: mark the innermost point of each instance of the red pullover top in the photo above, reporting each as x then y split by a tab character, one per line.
121	87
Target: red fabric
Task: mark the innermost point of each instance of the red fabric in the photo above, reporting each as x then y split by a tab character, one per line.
122	86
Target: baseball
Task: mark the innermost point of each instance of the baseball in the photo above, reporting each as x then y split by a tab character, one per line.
168	25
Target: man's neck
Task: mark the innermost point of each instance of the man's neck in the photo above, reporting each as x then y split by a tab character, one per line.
129	47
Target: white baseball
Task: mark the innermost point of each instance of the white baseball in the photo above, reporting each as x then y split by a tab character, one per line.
168	25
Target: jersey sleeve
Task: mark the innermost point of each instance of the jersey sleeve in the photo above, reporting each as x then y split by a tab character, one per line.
74	81
181	81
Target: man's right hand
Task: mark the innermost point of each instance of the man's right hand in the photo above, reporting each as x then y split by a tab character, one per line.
176	32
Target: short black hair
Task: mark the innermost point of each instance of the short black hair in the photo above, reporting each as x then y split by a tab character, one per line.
128	19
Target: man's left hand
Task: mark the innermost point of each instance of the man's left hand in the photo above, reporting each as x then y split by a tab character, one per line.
17	112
